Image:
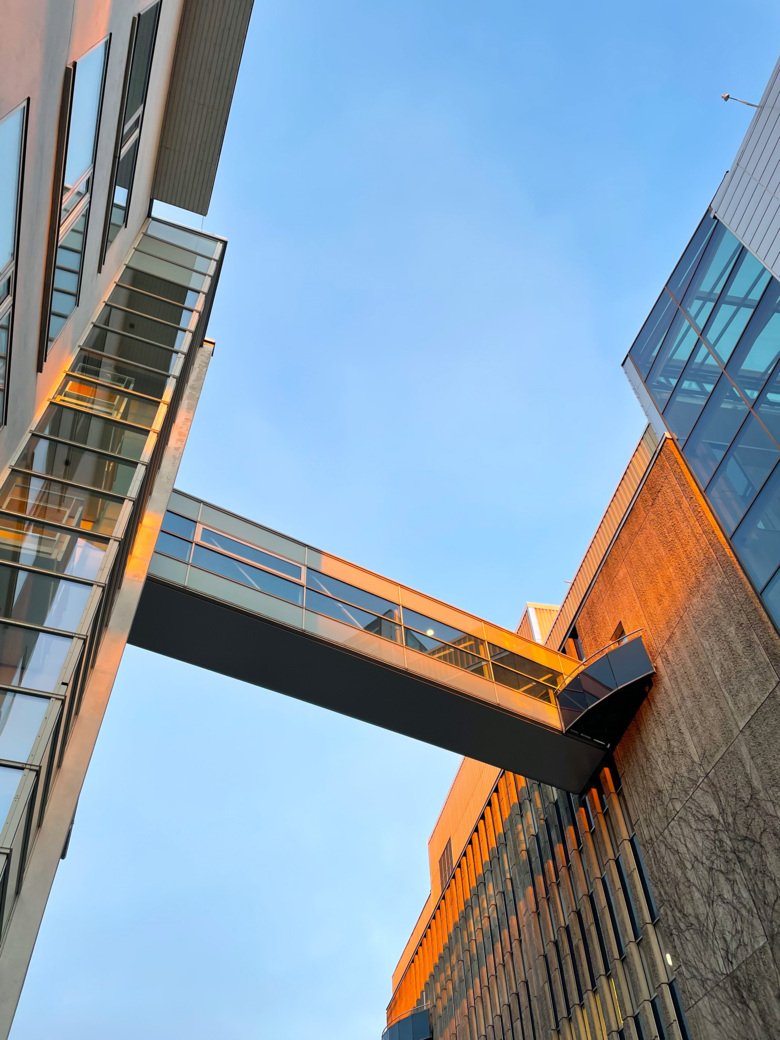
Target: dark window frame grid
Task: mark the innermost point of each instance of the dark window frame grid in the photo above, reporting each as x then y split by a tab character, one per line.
9	272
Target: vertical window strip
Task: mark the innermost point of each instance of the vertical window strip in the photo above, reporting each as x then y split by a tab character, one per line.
9	257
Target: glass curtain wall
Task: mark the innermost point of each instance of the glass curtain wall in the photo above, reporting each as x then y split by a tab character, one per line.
86	81
709	357
69	509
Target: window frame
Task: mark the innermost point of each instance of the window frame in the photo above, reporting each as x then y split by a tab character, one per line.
127	137
9	272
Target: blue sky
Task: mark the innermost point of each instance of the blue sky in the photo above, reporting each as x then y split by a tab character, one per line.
446	222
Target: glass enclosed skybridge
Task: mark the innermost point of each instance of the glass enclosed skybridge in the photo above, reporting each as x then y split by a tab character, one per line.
229	595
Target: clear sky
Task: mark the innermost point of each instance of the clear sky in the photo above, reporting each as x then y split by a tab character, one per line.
447	222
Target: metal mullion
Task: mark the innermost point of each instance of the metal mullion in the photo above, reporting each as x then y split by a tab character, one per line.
107	538
11	688
134	364
30	627
109	386
83	180
32	568
166	241
72	218
172	263
14	763
156	296
71	483
173	245
85	411
148	317
102	452
140	339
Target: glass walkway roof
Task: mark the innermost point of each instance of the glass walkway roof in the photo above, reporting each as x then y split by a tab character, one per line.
238	598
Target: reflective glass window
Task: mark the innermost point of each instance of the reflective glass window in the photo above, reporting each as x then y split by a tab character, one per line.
130	121
167	271
349	614
49	548
40	599
151	306
9	785
692	392
156	286
768	406
184	237
758	350
724	412
711	274
515	681
179	525
120	373
439	632
350	593
735	307
680	341
177	255
518	663
750	460
170	545
250	552
20	720
459	655
110	403
135	351
651	336
686	265
11	143
757	539
247	575
92	431
144	327
49	500
85	108
31	658
53	459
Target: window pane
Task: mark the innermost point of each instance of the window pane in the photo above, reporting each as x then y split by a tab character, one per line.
76	465
499	654
521	683
10	155
5	336
167	271
20	719
179	525
680	341
771	598
133	350
246	575
184	237
31	658
692	393
69	252
250	552
759	348
121	374
348	614
757	539
172	546
652	333
438	631
64	552
87	89
768	407
141	61
350	593
727	322
682	273
177	255
147	328
749	462
9	784
40	599
711	274
121	197
170	291
60	503
111	404
720	420
152	306
92	431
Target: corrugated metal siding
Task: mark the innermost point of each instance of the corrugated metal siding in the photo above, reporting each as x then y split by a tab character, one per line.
629	484
537	621
208	54
748	200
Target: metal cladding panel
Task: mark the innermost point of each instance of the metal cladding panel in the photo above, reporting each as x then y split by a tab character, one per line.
748	200
208	54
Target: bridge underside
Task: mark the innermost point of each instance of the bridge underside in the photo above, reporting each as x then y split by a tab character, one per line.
555	724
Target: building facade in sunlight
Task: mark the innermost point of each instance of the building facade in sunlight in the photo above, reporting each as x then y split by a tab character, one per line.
105	106
648	907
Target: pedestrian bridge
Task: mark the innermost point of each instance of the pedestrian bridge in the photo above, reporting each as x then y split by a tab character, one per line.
234	597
